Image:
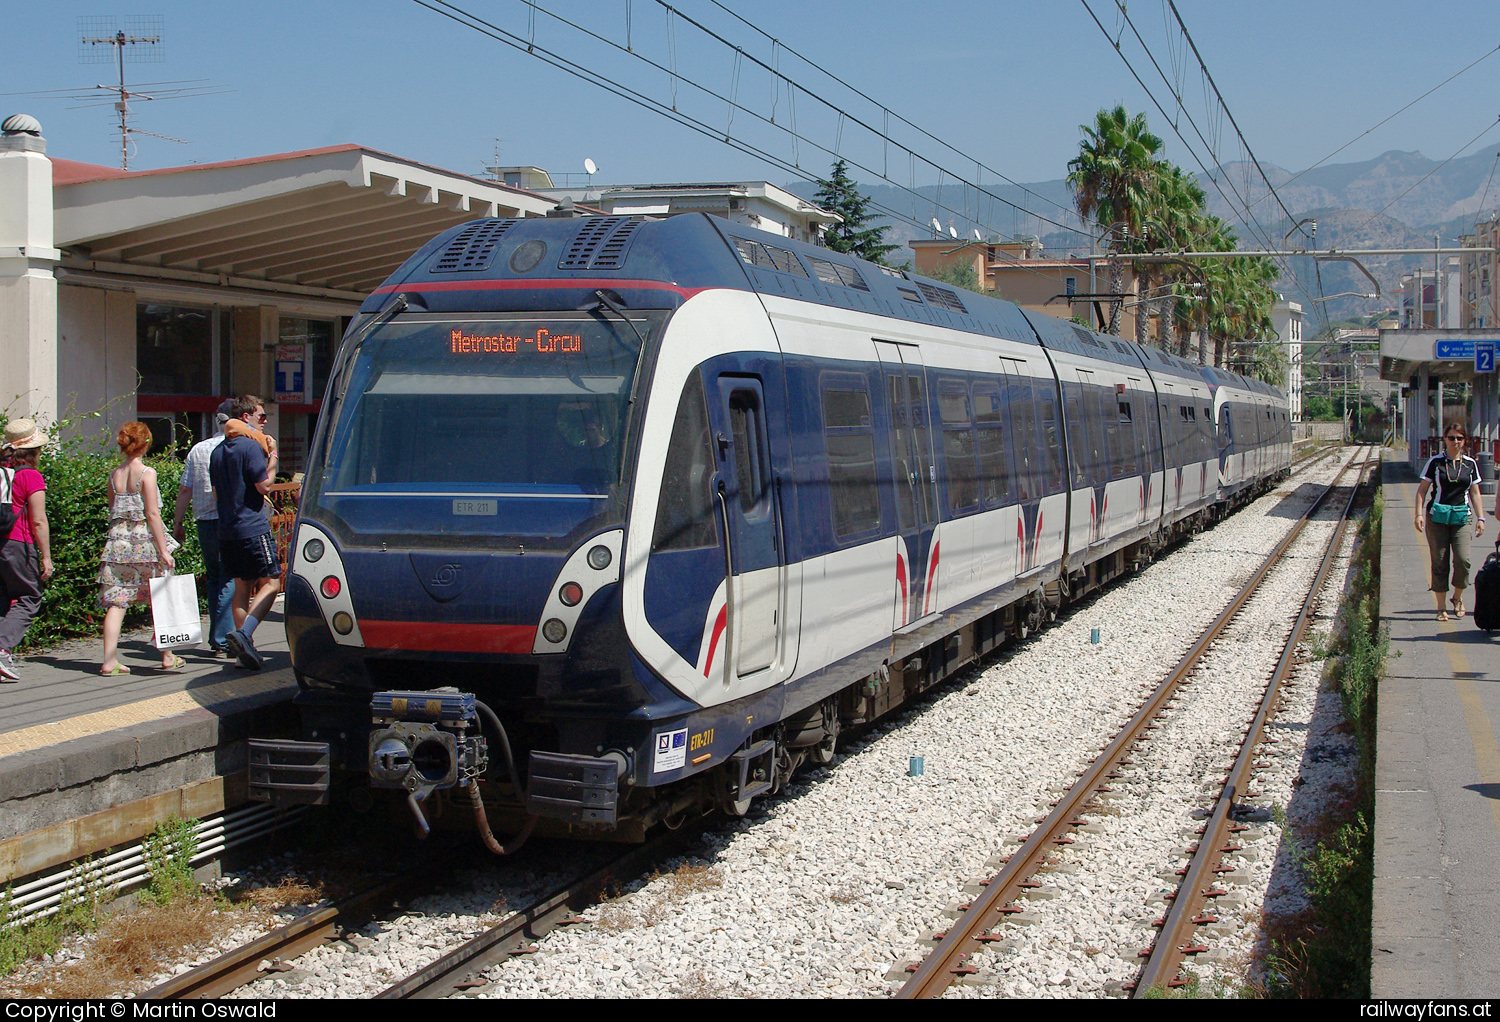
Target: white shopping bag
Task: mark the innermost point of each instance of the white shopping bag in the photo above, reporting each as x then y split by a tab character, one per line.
174	612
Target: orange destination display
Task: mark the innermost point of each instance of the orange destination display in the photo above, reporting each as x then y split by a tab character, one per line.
543	341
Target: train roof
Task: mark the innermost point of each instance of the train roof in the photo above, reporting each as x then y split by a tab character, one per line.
660	263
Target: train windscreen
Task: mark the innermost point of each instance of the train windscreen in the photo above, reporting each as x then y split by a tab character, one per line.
513	406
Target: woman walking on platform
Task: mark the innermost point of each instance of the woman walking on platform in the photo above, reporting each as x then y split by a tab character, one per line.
26	549
1447	500
137	548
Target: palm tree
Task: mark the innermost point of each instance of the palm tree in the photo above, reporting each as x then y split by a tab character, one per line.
1177	224
1112	179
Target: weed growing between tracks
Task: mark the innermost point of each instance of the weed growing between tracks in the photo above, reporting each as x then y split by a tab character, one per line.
1326	951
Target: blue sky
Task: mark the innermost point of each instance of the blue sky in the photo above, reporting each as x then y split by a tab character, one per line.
1006	83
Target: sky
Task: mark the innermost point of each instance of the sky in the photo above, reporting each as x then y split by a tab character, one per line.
1003	83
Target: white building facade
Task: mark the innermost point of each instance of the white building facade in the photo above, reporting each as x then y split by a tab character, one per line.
1286	320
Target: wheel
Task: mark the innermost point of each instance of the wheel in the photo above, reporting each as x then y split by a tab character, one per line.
822	753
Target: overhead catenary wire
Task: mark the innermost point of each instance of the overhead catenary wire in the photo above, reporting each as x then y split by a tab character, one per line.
1488	128
676	75
1247	217
1486	56
473	22
886	111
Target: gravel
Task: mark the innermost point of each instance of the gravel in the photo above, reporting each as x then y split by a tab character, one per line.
832	887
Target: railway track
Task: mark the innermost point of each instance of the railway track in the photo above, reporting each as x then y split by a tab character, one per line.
976	927
455	972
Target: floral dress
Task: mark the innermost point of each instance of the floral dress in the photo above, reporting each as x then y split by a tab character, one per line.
129	561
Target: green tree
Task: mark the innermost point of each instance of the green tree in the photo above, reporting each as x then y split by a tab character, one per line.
855	235
960	275
1113	180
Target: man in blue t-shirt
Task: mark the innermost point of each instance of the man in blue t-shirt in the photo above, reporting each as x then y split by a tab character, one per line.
242	470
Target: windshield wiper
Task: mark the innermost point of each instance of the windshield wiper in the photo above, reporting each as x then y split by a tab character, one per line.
610	301
339	377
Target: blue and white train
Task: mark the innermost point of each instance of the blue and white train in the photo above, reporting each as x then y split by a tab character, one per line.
609	519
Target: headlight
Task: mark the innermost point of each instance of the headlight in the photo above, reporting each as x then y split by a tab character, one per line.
599	557
554	631
312	550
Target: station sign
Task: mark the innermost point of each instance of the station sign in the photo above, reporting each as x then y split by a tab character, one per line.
293	373
1447	351
1484	356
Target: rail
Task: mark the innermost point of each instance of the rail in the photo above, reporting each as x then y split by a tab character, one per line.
947	961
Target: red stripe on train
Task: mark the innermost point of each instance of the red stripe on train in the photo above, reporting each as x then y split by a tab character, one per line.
446	637
713	643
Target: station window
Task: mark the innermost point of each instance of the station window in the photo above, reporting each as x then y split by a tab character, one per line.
174	349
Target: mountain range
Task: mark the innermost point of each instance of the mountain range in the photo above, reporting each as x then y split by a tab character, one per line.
1396	200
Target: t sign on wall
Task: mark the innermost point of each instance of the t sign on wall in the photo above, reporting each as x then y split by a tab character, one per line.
293	374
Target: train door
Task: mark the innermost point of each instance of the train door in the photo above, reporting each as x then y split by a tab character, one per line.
914	474
748	502
1147	448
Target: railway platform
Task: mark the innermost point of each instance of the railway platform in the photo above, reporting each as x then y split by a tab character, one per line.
88	762
1437	777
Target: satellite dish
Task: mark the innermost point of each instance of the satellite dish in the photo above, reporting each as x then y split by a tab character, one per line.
977	235
590	167
953	231
937	228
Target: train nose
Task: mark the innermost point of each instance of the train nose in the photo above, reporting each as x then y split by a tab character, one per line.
445	577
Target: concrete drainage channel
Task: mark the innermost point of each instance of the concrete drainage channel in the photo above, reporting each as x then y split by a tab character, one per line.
126	868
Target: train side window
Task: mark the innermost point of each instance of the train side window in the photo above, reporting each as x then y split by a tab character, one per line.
684	510
1127	438
958	444
1051	438
1078	437
1023	436
1103	432
989	424
849	432
751	464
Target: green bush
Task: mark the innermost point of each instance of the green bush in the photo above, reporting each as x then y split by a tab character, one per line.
77	472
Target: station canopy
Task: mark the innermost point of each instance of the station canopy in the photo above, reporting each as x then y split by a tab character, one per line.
334	221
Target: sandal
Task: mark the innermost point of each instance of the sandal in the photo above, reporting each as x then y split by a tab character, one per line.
177	664
1458	608
118	670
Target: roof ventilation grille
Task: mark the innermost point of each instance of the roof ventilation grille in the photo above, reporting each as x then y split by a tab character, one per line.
612	253
585	244
473	248
942	297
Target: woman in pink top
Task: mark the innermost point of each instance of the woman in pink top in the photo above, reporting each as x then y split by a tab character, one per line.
26	553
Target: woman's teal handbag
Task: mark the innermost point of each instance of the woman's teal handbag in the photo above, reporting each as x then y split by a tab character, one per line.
1450	514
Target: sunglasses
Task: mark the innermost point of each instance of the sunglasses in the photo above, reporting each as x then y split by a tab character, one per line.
1450	436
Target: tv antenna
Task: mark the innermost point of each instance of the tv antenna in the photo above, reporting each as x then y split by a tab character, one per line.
495	171
102	41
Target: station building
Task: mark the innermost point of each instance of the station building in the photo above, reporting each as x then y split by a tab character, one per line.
153	294
1018	271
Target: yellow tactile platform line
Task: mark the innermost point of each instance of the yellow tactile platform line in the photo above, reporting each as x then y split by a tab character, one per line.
115	718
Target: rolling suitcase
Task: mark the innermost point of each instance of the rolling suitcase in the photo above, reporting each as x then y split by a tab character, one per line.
1487	593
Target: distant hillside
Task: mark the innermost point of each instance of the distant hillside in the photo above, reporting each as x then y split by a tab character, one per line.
1344	197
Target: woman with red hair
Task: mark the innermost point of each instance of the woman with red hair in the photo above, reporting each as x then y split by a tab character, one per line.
136	549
